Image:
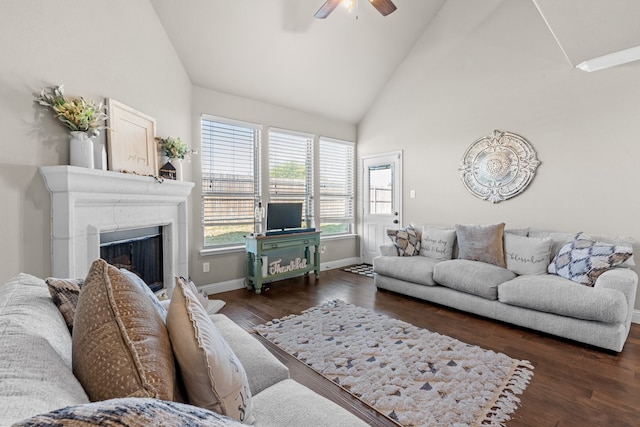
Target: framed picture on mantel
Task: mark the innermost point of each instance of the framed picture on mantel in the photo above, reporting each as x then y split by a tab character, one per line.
131	144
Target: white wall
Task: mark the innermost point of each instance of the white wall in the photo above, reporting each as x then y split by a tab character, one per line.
115	49
231	266
491	65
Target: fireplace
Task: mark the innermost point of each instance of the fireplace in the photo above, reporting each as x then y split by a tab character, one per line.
138	250
87	204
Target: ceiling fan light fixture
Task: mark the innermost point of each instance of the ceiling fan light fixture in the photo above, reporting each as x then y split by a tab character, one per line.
348	4
385	7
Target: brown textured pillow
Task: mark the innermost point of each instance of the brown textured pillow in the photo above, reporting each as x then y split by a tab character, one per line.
64	293
481	243
213	376
121	346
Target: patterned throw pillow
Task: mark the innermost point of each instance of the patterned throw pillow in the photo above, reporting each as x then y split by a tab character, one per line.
121	346
64	293
481	243
583	260
131	412
437	243
212	375
406	240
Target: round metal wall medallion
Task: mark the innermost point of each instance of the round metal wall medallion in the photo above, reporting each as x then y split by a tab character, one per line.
499	166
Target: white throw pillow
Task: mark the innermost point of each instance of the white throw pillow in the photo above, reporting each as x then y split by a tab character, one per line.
527	255
213	376
437	243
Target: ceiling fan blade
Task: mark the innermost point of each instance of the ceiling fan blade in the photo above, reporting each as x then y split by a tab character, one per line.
385	7
327	8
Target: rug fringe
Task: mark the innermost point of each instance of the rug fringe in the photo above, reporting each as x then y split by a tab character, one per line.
498	413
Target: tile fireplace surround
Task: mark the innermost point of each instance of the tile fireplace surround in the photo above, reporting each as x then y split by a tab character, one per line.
87	202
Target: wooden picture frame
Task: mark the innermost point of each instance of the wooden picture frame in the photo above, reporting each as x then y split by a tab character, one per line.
131	144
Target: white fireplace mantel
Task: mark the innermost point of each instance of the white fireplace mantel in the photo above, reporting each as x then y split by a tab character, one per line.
87	202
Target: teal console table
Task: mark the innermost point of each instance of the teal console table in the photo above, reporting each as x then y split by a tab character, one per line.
265	255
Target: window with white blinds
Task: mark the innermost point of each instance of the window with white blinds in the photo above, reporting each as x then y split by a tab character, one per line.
230	180
291	170
336	186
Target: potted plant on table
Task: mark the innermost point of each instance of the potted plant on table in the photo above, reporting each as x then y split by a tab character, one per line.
82	117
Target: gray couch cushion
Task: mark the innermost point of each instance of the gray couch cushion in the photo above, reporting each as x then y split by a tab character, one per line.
416	269
262	368
473	277
554	294
35	352
289	403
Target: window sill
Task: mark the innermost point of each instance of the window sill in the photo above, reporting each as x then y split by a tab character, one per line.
220	251
338	236
240	248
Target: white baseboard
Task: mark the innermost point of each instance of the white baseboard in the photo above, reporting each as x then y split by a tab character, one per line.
232	285
339	263
229	285
636	316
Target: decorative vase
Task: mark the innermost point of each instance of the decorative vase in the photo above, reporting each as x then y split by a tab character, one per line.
81	150
99	155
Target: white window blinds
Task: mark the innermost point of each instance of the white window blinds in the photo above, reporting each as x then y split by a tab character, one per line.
230	180
336	186
290	170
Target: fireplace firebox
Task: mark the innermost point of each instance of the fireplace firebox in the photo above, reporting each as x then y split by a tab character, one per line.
138	250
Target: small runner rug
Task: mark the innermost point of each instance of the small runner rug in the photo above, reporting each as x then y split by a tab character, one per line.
361	269
413	376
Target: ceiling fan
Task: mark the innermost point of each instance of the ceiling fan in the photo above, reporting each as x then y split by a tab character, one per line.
385	7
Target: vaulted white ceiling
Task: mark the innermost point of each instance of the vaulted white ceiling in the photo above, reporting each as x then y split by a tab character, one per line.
276	51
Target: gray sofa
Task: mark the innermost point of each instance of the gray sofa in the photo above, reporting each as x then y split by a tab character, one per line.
599	315
36	375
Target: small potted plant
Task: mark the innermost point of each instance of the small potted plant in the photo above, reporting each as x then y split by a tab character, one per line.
173	149
85	119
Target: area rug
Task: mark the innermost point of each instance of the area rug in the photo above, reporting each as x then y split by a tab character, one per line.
413	376
361	269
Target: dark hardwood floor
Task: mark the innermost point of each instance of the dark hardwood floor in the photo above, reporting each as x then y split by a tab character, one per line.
573	384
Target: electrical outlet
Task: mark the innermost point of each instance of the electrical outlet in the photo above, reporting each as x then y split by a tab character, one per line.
323	248
412	194
205	267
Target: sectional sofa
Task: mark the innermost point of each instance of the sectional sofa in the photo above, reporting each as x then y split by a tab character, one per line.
39	369
566	284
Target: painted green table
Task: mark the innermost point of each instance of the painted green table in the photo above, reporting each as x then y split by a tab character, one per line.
263	265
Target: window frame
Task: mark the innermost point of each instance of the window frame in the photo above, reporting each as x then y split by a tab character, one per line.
348	195
307	156
313	198
206	195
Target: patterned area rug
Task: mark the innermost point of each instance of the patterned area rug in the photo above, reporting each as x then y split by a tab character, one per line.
361	269
414	376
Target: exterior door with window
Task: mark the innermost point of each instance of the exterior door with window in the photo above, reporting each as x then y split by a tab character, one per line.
382	191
